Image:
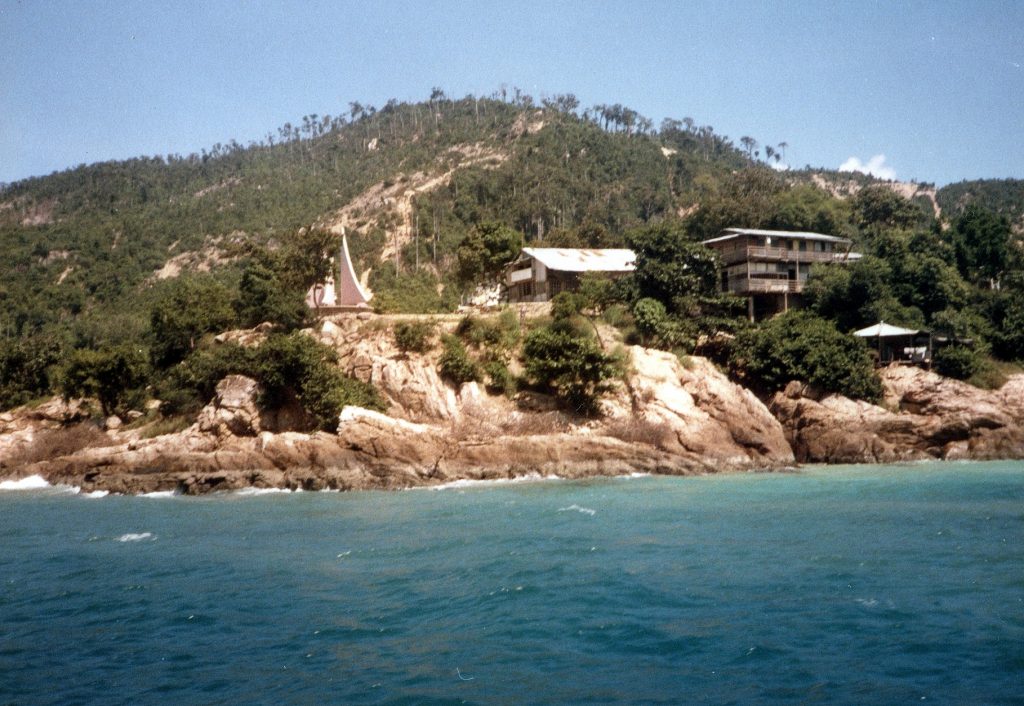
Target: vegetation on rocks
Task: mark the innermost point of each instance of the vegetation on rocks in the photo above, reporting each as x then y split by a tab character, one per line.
800	346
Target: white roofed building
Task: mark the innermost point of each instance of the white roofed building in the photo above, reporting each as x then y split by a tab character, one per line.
541	273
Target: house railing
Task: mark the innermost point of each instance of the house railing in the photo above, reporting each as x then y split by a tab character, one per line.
756	252
754	285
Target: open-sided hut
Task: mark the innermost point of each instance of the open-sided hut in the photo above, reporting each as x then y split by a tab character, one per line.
897	344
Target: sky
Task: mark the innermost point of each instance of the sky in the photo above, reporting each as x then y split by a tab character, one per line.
926	91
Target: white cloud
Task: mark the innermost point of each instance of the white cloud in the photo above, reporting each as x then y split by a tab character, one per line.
875	166
779	166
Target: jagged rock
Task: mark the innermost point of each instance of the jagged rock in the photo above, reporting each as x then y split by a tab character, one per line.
926	416
233	410
704	412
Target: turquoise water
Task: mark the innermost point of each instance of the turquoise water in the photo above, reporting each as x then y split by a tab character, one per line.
855	585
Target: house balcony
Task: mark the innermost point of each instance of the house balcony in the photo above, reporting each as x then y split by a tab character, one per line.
765	285
760	253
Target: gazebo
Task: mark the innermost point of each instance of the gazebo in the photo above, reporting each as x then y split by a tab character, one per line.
897	344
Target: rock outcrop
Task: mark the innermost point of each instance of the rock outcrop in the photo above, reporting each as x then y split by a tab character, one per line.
924	416
669	416
704	417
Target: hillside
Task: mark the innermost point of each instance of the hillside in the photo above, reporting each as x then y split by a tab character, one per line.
91	240
96	257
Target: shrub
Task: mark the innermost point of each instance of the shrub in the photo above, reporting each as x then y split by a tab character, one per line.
191	384
288	367
957	361
455	364
616	315
569	365
800	346
500	332
499	378
655	326
418	292
649	317
413	336
296	365
115	375
191	308
565	305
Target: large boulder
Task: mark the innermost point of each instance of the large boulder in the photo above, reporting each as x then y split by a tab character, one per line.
701	413
925	416
233	410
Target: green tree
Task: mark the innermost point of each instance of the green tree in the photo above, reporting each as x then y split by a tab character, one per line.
486	250
114	375
800	346
192	307
877	207
670	265
981	242
455	364
958	361
294	366
26	366
413	336
569	365
264	296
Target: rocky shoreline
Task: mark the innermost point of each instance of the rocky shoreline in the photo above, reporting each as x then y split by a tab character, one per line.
669	417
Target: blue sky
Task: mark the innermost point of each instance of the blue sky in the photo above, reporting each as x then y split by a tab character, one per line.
932	91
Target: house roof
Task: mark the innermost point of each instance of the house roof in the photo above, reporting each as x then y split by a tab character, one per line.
584	260
884	330
730	233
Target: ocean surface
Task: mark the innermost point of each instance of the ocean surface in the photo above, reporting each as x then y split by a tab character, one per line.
841	585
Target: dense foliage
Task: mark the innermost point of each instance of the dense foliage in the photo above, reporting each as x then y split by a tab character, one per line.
565	359
800	346
291	369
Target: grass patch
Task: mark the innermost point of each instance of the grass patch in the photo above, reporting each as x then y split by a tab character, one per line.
166	425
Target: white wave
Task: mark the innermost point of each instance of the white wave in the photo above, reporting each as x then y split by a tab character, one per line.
160	494
26	483
244	492
135	537
97	494
476	483
577	508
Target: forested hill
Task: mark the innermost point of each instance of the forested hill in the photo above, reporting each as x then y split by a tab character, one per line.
77	240
433	195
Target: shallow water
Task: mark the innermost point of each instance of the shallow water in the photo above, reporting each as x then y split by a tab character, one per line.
852	585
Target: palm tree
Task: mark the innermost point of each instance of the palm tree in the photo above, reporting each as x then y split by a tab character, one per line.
749	144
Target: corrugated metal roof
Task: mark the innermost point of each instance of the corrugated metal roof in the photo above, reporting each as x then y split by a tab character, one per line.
730	233
584	260
884	330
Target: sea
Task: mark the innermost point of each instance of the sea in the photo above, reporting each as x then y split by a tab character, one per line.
832	585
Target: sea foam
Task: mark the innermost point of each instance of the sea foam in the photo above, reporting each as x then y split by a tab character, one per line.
474	483
244	492
135	537
579	509
26	483
160	494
